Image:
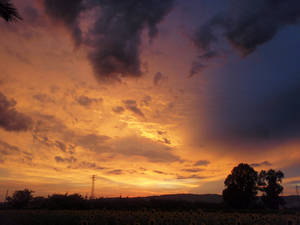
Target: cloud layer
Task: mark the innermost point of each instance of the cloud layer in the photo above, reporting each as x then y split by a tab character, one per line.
246	25
114	39
10	118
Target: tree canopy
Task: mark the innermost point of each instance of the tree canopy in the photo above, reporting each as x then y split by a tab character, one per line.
241	186
8	11
20	199
270	184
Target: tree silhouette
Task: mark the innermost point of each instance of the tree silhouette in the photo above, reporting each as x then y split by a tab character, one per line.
270	185
241	186
8	11
20	199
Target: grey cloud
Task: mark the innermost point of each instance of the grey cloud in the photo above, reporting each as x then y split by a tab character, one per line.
93	142
65	138
246	25
265	163
159	172
146	148
87	165
131	105
202	163
193	170
159	78
167	141
129	146
115	172
18	55
61	145
161	132
118	109
146	100
191	177
7	149
65	160
74	164
86	101
43	98
114	39
10	118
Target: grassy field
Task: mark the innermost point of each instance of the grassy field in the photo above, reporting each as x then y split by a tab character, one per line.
34	217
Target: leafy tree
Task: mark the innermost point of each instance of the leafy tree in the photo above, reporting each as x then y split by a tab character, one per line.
58	201
20	199
241	187
8	11
270	184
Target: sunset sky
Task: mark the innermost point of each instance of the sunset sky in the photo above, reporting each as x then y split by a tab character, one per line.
153	97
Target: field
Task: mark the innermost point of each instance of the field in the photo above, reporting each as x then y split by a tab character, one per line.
146	217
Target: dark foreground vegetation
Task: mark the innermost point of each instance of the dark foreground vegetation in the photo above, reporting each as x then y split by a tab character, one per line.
143	217
24	200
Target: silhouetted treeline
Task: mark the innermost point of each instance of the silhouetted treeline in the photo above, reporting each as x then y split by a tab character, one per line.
244	183
24	200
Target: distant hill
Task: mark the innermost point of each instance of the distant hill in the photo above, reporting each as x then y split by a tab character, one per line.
205	198
292	201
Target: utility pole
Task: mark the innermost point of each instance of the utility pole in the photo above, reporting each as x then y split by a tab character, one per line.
93	187
6	195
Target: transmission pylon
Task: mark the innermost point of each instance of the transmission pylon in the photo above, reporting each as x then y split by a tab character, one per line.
93	187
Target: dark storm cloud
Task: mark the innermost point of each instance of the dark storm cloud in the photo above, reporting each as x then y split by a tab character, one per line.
10	118
265	163
114	39
256	119
131	105
86	101
247	24
66	12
